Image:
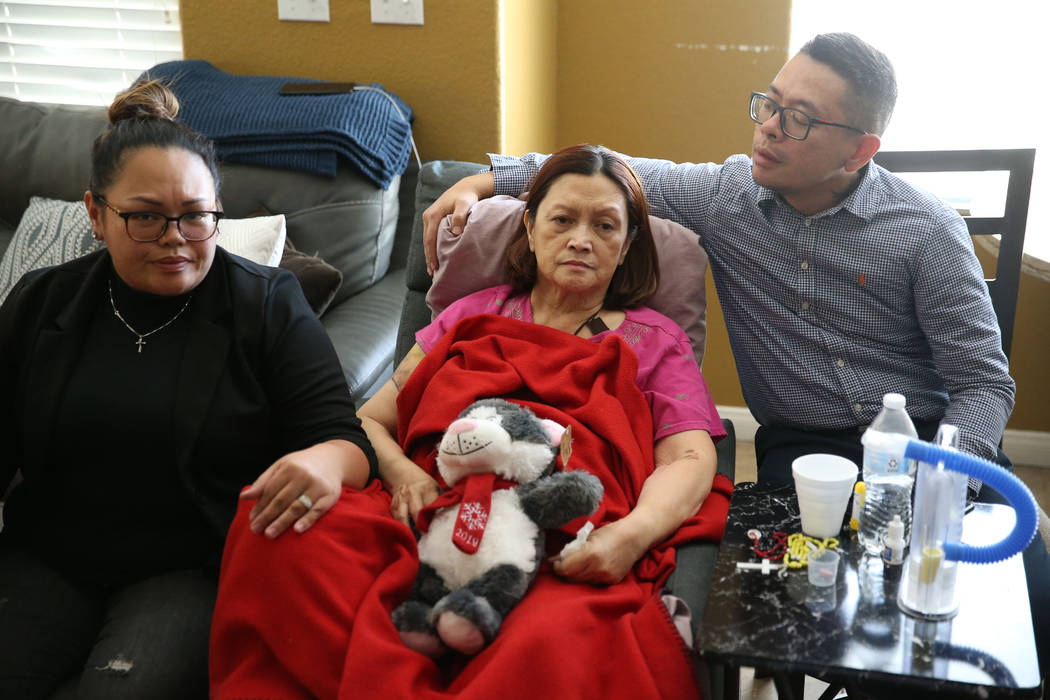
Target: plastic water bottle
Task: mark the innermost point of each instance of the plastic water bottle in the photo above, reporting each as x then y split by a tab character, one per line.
888	479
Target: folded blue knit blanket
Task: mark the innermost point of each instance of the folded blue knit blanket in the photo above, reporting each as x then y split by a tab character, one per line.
251	122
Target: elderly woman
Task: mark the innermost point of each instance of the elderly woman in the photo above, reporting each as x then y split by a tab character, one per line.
570	339
143	387
583	262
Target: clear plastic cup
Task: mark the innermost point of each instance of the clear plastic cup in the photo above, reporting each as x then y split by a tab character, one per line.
823	567
823	485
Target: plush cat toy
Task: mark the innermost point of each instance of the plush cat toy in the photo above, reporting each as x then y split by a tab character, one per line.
482	542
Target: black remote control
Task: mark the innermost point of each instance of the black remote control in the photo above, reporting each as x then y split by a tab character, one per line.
316	88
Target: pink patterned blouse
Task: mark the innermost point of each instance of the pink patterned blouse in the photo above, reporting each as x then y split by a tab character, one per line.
667	373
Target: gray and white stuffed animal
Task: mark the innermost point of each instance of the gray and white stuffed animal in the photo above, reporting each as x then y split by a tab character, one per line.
482	542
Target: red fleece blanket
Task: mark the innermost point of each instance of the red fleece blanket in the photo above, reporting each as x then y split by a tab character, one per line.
309	616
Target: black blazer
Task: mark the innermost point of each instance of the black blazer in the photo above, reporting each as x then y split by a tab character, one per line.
259	377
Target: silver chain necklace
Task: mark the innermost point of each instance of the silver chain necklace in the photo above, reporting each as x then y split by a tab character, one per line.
142	336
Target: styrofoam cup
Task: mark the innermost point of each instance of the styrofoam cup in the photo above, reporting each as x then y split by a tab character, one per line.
823	484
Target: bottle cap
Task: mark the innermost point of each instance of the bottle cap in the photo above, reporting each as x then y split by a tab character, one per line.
893	553
894	400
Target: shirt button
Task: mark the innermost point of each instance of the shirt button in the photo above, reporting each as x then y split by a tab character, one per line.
840	362
808	222
805	305
805	265
857	407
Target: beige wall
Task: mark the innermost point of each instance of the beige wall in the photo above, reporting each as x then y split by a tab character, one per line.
447	69
662	78
530	75
668	79
1028	361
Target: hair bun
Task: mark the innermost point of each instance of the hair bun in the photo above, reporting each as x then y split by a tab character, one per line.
146	99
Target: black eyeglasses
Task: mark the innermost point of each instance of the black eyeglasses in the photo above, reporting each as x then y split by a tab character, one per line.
793	122
147	226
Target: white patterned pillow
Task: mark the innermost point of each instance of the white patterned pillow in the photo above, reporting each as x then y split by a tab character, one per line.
52	232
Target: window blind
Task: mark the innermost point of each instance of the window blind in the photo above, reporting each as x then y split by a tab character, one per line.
83	51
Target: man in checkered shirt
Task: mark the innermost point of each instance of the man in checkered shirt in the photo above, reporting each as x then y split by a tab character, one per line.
838	281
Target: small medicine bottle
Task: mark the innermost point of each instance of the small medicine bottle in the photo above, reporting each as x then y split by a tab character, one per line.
893	552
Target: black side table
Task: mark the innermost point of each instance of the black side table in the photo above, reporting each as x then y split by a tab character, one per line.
853	633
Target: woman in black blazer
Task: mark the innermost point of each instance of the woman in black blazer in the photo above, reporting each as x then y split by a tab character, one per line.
141	388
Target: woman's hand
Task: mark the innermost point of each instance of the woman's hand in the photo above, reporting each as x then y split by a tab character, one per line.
606	557
298	488
410	487
456	200
685	469
407	498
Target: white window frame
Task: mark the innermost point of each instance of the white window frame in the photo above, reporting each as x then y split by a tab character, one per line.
968	75
83	51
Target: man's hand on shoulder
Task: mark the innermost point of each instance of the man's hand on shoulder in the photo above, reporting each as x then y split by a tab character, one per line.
457	201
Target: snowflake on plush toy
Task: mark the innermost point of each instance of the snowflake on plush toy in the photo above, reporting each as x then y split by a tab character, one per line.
482	542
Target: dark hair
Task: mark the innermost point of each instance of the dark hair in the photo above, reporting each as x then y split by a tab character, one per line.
143	116
639	276
866	70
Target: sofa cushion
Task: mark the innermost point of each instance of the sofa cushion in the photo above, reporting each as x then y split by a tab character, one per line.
474	260
364	333
45	151
432	180
346	220
349	236
435	177
52	232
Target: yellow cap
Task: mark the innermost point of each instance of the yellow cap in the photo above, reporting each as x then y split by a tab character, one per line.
859	489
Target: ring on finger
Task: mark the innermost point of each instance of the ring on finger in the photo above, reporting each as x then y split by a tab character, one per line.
306	501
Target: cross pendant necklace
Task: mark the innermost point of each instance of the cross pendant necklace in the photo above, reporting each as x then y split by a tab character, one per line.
142	336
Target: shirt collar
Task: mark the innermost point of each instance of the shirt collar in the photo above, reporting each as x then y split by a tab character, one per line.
864	200
861	202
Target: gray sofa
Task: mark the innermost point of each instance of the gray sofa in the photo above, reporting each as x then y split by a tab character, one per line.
373	236
350	223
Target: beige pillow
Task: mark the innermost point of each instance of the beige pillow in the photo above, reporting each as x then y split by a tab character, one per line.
474	261
260	239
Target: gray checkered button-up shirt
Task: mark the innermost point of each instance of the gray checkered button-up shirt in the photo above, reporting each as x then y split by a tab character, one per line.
826	313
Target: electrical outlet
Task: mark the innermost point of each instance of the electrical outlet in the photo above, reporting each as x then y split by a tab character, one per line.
303	10
397	11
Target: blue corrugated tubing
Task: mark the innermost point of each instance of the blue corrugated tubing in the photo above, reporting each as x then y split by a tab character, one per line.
1012	488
